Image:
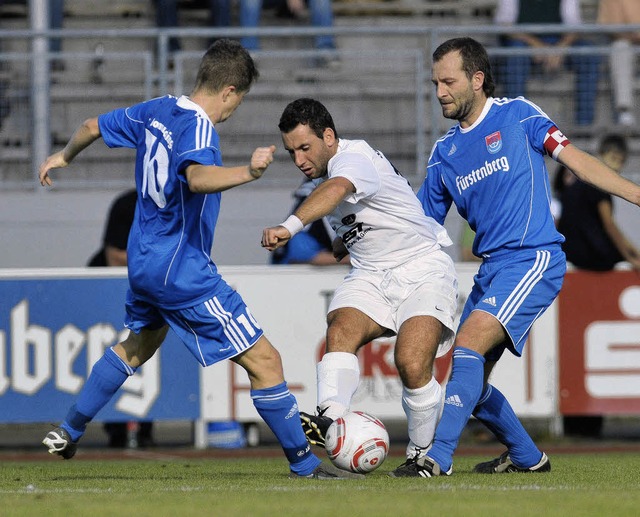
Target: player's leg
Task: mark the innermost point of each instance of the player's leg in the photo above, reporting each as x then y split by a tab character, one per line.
339	371
493	409
509	295
224	328
276	404
107	375
478	334
279	409
415	352
424	295
422	395
495	412
358	313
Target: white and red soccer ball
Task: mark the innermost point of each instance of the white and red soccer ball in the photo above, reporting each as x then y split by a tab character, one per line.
357	442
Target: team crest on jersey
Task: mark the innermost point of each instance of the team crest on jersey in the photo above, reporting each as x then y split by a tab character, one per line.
494	142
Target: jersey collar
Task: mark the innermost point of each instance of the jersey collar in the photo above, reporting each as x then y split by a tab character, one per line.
487	106
185	102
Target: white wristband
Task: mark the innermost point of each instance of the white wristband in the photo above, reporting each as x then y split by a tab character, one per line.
293	224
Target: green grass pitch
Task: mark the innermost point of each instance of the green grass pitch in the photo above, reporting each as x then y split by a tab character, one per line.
599	484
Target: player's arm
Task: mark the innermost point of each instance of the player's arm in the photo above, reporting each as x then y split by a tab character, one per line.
322	201
87	133
206	179
626	249
592	171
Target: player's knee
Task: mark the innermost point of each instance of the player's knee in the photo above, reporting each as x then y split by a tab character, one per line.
413	373
139	348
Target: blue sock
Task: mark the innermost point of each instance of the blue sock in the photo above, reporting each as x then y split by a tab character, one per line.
462	394
494	411
107	375
279	409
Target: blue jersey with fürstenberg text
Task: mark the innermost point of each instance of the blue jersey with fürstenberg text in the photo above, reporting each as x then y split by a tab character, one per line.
168	252
494	171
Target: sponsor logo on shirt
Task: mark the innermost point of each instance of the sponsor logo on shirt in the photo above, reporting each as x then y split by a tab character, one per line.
349	219
476	175
355	234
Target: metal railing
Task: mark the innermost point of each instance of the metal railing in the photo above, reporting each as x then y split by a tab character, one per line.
28	78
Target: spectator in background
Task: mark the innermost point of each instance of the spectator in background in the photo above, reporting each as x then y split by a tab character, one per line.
320	11
167	16
56	17
314	244
512	12
622	57
113	253
594	242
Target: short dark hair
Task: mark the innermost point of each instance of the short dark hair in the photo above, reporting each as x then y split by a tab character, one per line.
226	63
474	59
613	143
308	112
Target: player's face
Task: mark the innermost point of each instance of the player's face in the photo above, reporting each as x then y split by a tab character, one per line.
456	93
310	153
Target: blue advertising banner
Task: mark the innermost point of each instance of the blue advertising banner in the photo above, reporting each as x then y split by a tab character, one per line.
54	327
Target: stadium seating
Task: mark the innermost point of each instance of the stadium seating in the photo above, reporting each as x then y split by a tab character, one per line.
372	92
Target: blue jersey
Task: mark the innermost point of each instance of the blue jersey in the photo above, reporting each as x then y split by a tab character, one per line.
170	242
494	172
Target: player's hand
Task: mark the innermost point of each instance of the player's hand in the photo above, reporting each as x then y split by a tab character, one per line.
260	160
275	237
55	161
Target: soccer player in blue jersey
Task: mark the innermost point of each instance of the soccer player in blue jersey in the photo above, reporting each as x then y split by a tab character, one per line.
173	282
491	165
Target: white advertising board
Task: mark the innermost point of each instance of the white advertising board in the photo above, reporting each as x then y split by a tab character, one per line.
290	304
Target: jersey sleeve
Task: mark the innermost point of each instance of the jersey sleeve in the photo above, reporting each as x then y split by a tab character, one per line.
119	128
544	135
433	195
360	171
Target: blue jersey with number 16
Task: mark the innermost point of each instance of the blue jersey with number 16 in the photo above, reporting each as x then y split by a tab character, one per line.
168	252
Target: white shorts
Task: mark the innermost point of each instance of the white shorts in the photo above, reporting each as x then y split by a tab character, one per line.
424	286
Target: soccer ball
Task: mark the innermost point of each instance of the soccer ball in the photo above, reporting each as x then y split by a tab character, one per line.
357	442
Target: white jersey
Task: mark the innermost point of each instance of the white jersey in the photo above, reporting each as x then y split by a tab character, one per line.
382	223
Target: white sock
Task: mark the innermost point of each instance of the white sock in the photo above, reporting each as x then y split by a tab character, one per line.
423	407
338	379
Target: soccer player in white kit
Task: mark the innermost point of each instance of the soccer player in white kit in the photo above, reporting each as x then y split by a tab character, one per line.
401	282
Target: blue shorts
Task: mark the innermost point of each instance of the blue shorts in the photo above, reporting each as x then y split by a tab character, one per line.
216	329
516	288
